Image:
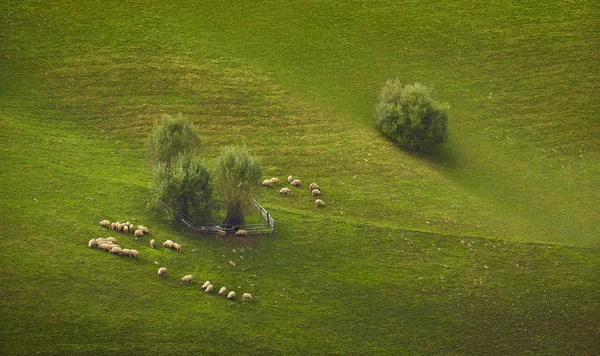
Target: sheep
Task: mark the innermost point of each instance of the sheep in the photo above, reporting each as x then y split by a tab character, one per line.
126	229
316	192
168	244
126	252
285	191
113	226
231	295
116	250
144	230
177	247
209	288
241	233
319	203
112	240
313	186
152	243
119	226
221	233
247	297
187	278
290	178
105	223
222	291
92	243
162	271
275	181
206	284
134	253
267	183
296	182
138	233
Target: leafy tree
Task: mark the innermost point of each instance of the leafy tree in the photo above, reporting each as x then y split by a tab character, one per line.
237	175
409	116
170	138
182	189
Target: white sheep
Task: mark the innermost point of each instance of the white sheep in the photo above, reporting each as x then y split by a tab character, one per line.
177	247
267	183
113	226
221	233
138	233
285	191
319	203
152	243
112	240
126	229
144	230
316	192
222	291
247	297
275	181
296	182
206	284
105	223
162	271
168	244
126	252
187	278
231	295
313	186
290	178
92	243
119	226
134	253
116	250
209	288
241	232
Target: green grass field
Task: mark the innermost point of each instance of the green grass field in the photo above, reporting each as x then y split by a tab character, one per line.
488	246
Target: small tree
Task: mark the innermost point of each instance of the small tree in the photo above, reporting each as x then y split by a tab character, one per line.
170	138
182	189
237	175
410	116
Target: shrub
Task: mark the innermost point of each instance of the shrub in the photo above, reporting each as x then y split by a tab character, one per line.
410	116
237	175
170	138
182	189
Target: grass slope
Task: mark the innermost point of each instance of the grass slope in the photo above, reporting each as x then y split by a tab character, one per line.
80	93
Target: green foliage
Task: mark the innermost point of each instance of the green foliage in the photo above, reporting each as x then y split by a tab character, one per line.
410	116
182	189
171	137
237	176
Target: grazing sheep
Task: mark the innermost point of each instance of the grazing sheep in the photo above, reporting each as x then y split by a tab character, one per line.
134	253
241	233
221	233
92	243
247	297
313	186
119	226
162	271
267	183
187	278
144	230
285	191
319	203
138	233
126	252
126	229
290	178
316	192
209	288
105	223
222	291
177	247
113	226
231	295
275	181
152	243
296	182
112	240
116	250
206	284
168	244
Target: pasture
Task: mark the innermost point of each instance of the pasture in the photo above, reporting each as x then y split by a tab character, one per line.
488	246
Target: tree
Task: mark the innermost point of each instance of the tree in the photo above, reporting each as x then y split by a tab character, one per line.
410	116
237	175
170	138
182	189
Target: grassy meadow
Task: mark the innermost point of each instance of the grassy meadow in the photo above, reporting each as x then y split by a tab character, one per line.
488	246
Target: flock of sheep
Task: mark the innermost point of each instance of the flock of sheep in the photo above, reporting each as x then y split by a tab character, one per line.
314	188
110	244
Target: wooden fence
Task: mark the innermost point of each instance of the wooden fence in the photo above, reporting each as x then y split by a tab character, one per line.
267	227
